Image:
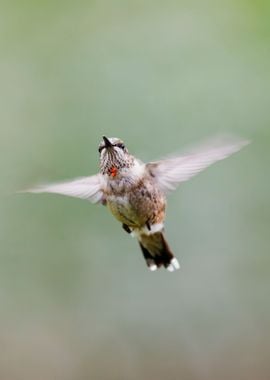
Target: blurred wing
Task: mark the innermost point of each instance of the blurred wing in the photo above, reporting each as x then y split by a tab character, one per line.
88	188
171	171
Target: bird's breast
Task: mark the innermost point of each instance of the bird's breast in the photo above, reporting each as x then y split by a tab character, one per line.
138	205
120	207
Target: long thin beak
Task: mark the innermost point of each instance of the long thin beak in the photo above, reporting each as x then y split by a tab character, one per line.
107	142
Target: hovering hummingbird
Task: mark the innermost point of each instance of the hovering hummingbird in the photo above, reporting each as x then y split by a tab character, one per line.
135	192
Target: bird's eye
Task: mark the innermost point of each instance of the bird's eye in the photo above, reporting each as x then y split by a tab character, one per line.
100	148
120	145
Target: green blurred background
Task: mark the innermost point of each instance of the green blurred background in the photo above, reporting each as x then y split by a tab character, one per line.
76	299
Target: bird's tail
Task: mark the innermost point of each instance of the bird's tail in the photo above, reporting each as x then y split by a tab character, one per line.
156	252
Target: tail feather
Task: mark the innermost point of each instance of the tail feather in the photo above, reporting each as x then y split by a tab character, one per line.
157	252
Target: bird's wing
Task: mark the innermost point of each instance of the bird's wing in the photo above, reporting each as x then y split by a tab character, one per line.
89	188
170	172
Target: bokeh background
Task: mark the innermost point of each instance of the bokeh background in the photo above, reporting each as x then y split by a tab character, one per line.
76	299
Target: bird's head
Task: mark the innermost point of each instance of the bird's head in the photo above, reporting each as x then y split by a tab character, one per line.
114	156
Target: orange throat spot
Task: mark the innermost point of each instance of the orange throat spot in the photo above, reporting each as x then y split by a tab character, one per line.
113	171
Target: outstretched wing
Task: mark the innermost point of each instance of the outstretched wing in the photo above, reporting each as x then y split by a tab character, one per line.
170	172
89	188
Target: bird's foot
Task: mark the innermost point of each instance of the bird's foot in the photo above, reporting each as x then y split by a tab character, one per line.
126	228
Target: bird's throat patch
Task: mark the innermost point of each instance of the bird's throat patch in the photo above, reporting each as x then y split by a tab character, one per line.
113	171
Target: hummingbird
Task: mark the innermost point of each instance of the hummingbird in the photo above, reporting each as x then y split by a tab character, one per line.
136	192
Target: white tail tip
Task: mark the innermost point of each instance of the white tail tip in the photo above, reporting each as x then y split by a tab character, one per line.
153	267
174	265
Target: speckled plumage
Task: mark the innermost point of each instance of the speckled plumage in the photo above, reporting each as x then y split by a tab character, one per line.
135	193
138	204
